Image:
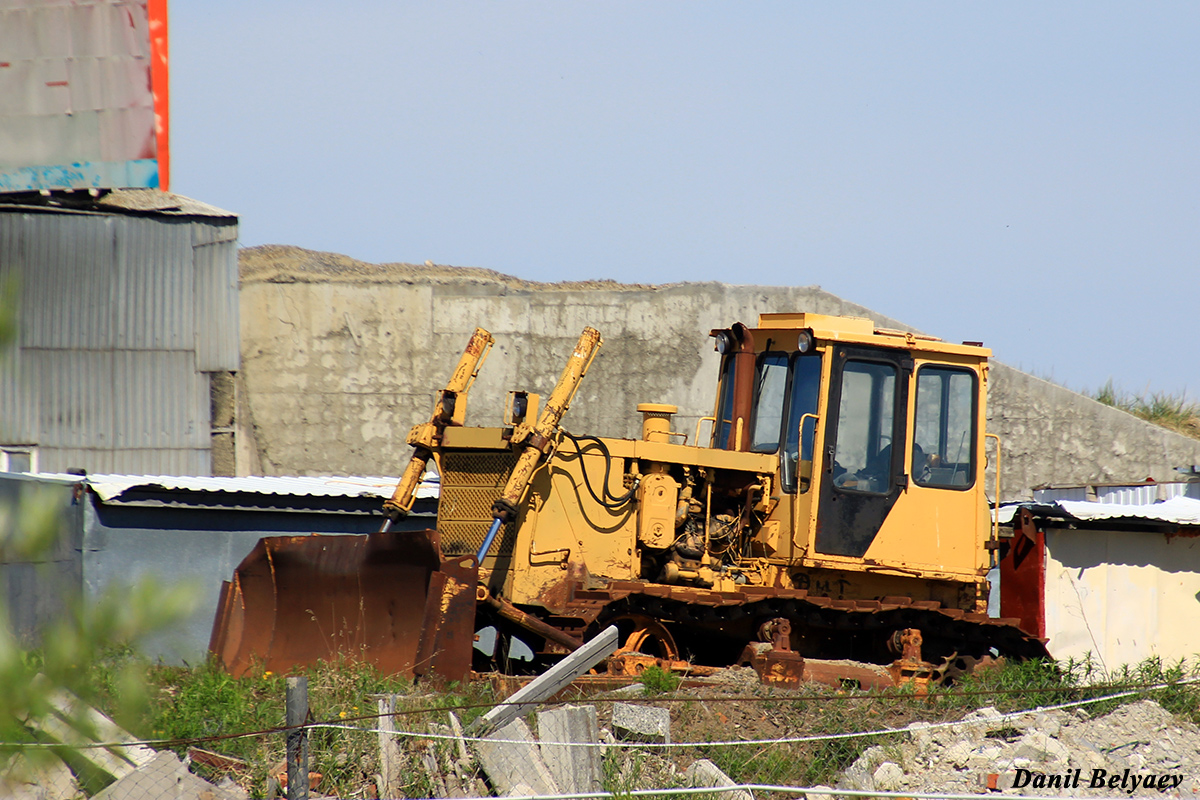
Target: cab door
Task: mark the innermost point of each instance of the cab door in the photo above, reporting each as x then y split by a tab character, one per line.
865	439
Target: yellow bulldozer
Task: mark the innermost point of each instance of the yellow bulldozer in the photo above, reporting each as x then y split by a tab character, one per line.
833	525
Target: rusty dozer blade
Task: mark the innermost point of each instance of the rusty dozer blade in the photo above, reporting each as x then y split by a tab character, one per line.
387	599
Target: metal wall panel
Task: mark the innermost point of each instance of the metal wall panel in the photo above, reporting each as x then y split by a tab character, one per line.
1139	495
1133	495
12	235
218	230
163	462
68	266
76	397
18	400
154	285
159	401
18	396
1122	596
61	459
141	462
1054	494
121	317
217	328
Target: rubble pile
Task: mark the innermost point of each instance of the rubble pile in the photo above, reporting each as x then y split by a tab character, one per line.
1139	749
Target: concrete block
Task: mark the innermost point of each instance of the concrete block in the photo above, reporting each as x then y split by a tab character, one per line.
959	753
1041	749
641	723
164	776
706	774
888	777
575	769
52	780
510	758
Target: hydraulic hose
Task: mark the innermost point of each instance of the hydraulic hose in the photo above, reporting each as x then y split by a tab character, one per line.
609	500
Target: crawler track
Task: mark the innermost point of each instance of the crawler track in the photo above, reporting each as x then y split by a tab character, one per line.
713	627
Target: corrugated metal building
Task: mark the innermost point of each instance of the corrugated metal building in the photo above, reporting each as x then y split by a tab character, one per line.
1115	581
116	529
127	318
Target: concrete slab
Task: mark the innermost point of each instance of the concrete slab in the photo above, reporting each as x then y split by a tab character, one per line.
575	769
510	758
641	723
21	779
164	777
706	774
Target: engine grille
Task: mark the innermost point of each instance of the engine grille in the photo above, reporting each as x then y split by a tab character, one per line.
471	482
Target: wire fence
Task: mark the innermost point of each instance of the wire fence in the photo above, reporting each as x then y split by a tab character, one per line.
735	742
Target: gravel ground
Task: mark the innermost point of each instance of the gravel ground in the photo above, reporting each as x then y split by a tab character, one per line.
1137	750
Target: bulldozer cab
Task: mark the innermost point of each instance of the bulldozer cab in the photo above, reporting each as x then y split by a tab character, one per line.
876	432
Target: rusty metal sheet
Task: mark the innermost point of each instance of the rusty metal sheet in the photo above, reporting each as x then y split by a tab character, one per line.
390	600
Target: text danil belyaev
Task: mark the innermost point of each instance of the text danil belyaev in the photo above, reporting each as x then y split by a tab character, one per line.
1126	781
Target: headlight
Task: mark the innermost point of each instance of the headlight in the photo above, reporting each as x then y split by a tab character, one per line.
724	343
804	341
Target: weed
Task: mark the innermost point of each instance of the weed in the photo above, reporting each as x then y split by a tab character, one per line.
1175	412
657	680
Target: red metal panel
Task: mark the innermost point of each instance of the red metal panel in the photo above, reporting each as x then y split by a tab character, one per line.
1023	576
159	63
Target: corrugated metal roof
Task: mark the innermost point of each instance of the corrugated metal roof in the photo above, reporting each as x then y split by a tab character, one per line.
159	202
1133	494
139	202
1176	511
111	487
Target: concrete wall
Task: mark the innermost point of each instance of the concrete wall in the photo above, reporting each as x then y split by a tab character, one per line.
340	358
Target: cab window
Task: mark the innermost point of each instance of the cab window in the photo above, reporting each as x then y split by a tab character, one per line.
866	417
944	436
724	422
770	391
803	395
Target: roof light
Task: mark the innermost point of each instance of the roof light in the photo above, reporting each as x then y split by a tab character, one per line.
725	343
804	341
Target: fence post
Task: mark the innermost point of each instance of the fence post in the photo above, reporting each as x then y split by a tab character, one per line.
389	748
297	739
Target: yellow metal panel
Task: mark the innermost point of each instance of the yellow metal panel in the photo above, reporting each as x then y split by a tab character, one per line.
564	528
483	438
859	330
687	454
829	326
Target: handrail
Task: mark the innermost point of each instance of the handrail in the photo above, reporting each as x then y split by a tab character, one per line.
800	447
996	511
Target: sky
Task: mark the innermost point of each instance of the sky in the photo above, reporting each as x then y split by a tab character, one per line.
1022	173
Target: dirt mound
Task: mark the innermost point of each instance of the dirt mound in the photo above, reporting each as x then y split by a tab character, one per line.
275	263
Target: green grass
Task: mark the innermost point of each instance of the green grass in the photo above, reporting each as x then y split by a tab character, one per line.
1176	412
189	703
202	701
